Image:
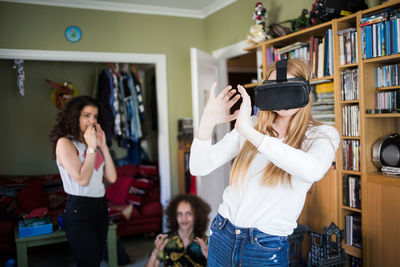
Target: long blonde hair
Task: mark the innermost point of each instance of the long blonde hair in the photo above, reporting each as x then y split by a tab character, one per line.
294	137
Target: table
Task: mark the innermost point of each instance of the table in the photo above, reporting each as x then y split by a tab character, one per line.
58	237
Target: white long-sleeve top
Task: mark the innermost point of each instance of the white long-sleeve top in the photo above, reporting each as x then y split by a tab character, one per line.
273	210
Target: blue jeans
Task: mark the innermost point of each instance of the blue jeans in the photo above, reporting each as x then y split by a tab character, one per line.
235	246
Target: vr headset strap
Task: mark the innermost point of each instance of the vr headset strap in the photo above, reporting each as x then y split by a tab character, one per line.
281	70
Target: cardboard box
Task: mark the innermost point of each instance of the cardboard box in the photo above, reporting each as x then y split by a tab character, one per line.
34	227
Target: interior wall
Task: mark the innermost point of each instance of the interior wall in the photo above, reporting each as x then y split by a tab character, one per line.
27	120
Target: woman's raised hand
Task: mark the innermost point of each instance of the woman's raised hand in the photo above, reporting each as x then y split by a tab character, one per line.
203	246
90	137
160	242
243	120
100	136
217	110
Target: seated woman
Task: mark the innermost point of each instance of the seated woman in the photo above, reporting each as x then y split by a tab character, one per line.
185	245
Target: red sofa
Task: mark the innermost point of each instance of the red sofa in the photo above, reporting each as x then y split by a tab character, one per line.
138	189
19	194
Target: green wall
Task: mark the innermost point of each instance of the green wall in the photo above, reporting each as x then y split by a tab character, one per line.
27	119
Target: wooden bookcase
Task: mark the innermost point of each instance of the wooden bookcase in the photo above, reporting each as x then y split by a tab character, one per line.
380	194
182	159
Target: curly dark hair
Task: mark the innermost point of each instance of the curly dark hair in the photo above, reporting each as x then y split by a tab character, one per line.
200	209
67	121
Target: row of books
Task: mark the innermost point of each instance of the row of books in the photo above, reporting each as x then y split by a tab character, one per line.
350	84
388	100
386	76
296	50
185	128
348	46
323	103
351	120
321	55
356	262
318	53
351	155
353	230
352	191
380	33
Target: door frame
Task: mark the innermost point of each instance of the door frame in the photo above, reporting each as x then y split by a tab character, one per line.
160	62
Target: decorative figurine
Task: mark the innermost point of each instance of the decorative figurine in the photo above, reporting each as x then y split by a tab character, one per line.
259	15
257	32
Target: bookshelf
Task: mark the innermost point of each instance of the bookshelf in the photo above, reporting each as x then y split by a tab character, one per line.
380	194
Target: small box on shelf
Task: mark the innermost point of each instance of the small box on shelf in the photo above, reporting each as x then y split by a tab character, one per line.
35	226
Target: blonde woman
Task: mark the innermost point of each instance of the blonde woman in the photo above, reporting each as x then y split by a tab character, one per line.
277	160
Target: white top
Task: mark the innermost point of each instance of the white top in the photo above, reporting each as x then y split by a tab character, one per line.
95	188
273	210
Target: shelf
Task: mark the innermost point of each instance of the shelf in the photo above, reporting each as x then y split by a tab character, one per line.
293	37
388	88
382	6
351	137
252	47
351	209
383	115
381	178
251	85
384	59
347	18
376	187
351	172
353	251
347	66
344	102
327	79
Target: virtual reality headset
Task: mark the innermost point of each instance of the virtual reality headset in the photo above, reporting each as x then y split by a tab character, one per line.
282	93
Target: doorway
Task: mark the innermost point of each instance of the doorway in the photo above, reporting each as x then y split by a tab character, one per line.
159	61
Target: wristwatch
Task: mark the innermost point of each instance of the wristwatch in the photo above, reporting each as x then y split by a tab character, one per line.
90	150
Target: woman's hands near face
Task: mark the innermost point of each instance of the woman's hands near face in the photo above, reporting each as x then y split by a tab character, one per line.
90	137
203	246
160	242
217	109
100	136
243	120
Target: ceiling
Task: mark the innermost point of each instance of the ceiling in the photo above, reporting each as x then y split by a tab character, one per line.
181	8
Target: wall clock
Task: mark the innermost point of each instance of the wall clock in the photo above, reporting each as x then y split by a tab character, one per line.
73	34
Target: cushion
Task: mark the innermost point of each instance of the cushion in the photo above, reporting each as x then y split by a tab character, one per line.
126	170
9	208
137	191
147	170
32	197
118	191
115	211
57	199
141	182
152	209
135	200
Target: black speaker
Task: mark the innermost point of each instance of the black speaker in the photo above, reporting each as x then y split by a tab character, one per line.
386	151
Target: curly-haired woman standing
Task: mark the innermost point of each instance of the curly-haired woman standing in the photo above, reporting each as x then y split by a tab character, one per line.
187	218
83	159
